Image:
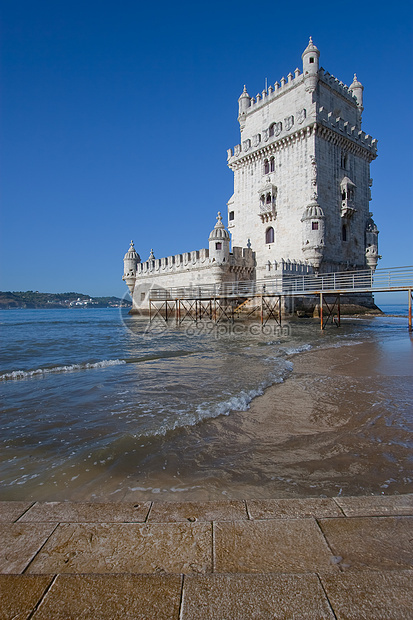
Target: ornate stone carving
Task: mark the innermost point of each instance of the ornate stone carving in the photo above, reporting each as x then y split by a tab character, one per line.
246	145
313	176
237	150
301	114
278	127
256	140
288	122
265	134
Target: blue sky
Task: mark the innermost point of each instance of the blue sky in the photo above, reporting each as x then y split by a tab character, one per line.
116	117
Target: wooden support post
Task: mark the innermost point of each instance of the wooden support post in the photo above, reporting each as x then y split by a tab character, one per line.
410	310
321	311
262	309
338	311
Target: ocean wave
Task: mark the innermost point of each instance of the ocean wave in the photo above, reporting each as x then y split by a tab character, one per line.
27	374
297	349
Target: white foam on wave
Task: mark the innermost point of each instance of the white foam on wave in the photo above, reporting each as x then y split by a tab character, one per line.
298	349
27	374
208	410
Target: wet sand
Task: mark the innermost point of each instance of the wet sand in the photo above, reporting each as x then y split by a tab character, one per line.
341	424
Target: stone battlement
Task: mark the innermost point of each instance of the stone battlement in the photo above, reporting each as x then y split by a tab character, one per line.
275	91
241	257
336	85
345	128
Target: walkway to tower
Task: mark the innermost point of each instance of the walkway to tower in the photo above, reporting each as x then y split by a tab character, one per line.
219	302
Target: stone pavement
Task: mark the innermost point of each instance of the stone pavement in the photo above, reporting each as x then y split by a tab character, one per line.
343	557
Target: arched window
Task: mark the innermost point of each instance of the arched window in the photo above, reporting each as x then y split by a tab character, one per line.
272	164
271	131
344	233
266	166
269	235
268	199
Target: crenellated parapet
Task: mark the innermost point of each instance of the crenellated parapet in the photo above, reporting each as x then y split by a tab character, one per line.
177	262
251	104
340	127
337	85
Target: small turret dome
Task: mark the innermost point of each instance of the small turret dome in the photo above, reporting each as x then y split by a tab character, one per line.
244	101
356	83
310	48
244	94
219	231
132	254
313	211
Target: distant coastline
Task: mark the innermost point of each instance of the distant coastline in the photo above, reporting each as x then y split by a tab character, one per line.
34	300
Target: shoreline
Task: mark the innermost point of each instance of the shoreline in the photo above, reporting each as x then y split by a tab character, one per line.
310	434
333	426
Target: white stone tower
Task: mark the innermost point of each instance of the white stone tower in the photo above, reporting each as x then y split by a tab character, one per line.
302	174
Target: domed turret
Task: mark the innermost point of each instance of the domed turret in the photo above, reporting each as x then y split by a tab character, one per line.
244	101
357	88
310	58
130	262
219	242
313	231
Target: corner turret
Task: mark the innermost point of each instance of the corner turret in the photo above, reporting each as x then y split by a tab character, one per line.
130	262
310	58
244	102
313	230
356	88
219	242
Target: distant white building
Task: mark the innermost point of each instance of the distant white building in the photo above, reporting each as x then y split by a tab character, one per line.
301	190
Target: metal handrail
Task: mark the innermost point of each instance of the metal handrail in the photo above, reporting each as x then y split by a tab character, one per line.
294	284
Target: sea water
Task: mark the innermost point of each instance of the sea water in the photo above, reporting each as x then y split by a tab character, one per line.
98	402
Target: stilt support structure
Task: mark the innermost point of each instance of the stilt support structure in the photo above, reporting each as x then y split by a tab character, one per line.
332	308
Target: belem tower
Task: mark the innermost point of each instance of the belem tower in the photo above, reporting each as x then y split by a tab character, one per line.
301	191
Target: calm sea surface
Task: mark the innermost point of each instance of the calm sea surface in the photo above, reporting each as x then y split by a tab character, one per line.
96	402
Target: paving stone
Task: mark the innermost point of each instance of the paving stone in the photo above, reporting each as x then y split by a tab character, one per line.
11	511
143	597
371	542
127	547
19	542
290	508
254	596
87	512
370	594
198	511
19	594
376	505
276	545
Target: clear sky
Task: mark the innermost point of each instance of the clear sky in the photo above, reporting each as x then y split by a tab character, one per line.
116	117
